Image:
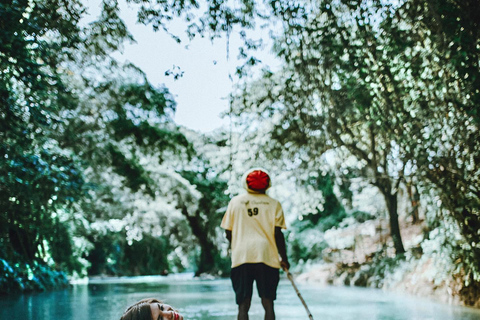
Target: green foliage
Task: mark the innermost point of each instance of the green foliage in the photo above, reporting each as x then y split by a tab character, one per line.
136	175
362	216
21	277
147	256
108	32
37	177
113	255
104	248
212	17
33	187
61	248
305	245
331	212
375	271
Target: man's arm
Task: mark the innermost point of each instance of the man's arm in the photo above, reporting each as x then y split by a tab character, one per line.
228	235
282	248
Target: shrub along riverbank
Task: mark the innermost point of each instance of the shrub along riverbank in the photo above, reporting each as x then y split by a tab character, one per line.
26	277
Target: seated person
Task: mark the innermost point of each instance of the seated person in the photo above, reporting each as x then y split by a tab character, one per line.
150	309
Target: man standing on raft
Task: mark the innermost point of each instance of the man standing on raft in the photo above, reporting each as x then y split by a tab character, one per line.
253	224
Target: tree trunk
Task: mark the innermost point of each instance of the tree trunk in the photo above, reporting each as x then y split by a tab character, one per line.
207	247
385	187
391	201
414	200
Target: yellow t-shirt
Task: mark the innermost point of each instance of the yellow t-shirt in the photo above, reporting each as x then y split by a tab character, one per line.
252	218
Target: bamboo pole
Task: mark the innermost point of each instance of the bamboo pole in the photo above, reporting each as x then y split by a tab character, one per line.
289	276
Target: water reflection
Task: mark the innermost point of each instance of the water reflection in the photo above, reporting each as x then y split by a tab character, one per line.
214	299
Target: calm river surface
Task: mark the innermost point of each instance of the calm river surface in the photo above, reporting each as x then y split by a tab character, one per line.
214	299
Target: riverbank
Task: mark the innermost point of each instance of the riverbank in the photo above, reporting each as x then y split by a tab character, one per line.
362	255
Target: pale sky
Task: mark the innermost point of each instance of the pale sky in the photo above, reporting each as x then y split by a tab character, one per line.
202	93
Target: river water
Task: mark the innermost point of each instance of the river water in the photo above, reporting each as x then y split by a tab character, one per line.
214	299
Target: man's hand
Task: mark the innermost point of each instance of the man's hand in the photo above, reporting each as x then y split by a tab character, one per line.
285	265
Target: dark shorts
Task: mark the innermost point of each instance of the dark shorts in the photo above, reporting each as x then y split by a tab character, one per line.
266	278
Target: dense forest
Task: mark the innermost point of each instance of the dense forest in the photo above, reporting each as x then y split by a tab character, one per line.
370	123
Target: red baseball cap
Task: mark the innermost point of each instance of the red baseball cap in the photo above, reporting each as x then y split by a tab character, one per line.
258	180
